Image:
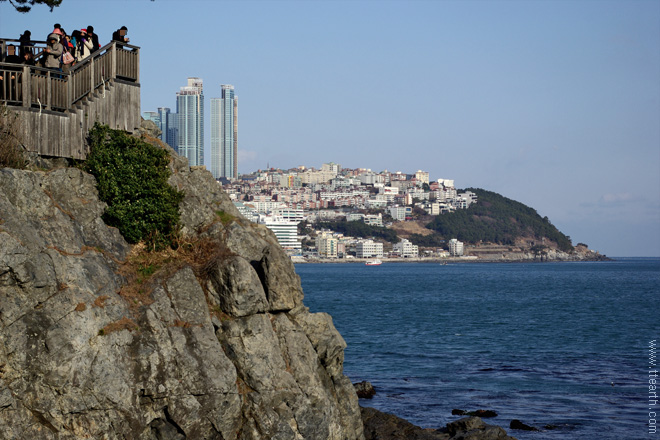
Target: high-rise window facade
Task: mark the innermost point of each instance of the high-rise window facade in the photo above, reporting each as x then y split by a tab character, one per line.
224	134
190	124
166	122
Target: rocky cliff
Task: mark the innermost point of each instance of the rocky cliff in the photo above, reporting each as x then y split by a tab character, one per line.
225	350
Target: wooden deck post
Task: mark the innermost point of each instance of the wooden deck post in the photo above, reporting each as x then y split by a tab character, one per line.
27	87
137	76
49	90
69	91
113	61
92	81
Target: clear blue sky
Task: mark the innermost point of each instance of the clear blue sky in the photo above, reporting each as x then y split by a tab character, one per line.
552	103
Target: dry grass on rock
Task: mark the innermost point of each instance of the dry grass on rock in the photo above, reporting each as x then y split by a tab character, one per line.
143	269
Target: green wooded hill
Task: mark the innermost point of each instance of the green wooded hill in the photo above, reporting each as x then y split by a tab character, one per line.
497	219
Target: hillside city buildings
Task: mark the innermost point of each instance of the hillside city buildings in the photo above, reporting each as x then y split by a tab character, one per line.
282	199
274	197
184	130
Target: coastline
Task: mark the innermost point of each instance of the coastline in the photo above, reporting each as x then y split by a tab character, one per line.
449	260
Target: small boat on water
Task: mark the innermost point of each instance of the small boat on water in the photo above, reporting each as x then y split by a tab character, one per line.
374	262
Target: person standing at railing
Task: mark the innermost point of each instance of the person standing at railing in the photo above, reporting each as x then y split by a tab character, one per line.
53	52
26	43
83	45
67	60
94	38
120	36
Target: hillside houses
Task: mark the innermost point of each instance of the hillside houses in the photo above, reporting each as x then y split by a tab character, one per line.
277	197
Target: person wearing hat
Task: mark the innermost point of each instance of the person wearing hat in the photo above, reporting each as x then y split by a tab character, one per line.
84	46
53	52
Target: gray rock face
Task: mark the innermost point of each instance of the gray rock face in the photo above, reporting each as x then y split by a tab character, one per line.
232	356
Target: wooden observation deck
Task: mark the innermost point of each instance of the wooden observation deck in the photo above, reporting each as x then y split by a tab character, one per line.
57	109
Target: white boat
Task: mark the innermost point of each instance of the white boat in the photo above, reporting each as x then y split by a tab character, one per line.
374	262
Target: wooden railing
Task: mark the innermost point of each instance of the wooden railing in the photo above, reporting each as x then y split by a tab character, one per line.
50	89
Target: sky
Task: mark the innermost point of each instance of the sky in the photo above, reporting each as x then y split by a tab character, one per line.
555	103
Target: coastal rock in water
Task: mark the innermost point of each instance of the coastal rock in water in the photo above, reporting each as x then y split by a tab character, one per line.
483	413
87	353
517	424
473	428
364	390
382	426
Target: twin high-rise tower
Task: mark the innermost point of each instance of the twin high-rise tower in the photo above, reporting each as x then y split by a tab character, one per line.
184	130
224	134
190	111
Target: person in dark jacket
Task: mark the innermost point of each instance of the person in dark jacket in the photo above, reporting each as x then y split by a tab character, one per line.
26	43
94	38
120	35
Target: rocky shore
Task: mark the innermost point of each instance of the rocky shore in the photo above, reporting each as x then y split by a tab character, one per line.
102	339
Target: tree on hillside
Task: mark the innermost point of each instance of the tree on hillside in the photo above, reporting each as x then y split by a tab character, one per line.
24	6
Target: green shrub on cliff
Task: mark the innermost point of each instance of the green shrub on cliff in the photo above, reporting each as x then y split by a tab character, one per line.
132	179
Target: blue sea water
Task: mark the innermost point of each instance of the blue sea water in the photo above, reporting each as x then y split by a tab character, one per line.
562	344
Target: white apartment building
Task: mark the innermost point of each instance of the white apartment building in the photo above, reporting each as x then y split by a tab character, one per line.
406	249
433	208
286	231
422	176
264	207
311	177
374	219
368	249
468	197
331	168
327	245
291	214
455	248
399	213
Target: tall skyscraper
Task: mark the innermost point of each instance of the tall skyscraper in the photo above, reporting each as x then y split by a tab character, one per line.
190	115
224	134
166	123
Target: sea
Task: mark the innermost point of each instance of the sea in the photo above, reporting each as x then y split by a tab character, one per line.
563	347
